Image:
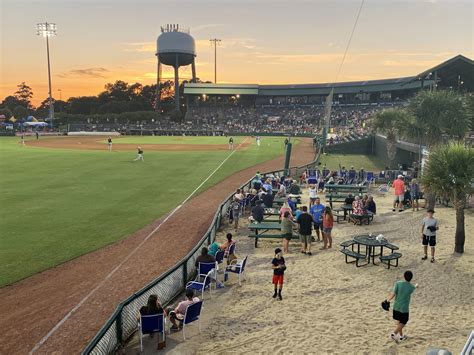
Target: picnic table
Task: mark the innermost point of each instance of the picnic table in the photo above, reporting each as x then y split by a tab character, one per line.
270	214
345	188
338	193
370	242
263	229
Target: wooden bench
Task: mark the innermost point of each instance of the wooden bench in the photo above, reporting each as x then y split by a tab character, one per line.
369	217
387	259
347	244
353	254
339	214
269	236
392	247
335	198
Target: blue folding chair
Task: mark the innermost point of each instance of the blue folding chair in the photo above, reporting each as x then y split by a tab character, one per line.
220	256
370	178
193	312
231	250
149	324
311	176
352	177
237	268
203	280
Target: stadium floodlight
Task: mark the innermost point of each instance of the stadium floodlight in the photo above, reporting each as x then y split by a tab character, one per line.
47	30
215	41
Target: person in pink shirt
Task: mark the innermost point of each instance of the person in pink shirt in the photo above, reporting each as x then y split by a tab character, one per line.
177	315
285	208
399	192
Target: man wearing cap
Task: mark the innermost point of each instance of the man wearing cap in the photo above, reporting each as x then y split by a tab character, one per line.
399	192
429	227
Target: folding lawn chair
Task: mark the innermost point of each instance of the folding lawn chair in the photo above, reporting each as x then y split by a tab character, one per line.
193	312
203	281
237	267
149	324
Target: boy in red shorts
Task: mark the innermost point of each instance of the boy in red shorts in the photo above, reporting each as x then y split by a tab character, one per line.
278	266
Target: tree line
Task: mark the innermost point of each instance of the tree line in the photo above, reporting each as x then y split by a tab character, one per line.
118	97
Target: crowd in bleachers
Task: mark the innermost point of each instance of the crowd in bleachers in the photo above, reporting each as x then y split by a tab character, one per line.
347	122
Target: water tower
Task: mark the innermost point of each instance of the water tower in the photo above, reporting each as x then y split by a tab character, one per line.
174	47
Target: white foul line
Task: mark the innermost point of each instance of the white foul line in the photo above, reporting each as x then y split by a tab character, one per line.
76	307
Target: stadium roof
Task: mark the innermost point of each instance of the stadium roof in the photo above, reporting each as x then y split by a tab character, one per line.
447	74
452	72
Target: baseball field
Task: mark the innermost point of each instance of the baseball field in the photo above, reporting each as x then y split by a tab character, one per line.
65	197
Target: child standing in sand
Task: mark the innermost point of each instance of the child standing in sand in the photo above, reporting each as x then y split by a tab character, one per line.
402	293
279	267
429	227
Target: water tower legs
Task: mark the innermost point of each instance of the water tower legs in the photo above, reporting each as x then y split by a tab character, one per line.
158	88
176	83
193	67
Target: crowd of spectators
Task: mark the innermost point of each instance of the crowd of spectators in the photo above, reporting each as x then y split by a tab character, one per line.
231	119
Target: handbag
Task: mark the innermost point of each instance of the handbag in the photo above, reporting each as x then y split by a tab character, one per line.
386	305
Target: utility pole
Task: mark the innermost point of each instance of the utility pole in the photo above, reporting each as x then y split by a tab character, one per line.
47	30
216	41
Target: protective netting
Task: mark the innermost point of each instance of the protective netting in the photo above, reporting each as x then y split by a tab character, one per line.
108	342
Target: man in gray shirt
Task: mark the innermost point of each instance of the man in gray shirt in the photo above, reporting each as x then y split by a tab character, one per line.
429	227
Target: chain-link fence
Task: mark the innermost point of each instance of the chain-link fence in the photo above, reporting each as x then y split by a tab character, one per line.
123	322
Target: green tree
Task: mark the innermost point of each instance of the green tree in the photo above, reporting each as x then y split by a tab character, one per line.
450	174
20	112
391	122
6	112
439	115
24	94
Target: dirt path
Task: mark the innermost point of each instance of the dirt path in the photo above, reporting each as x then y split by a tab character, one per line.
32	307
95	143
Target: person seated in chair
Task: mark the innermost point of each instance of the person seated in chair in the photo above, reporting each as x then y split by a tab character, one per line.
294	189
357	210
226	247
258	212
349	199
153	306
205	257
370	205
176	315
267	199
281	190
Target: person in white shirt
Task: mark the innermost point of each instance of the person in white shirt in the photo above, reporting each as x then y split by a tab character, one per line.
313	194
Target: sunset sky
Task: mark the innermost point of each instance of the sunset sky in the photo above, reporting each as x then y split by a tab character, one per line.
263	41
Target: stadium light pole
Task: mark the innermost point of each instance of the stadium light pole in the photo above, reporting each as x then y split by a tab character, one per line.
47	30
215	41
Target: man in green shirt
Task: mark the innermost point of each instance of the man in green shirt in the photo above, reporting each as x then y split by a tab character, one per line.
402	291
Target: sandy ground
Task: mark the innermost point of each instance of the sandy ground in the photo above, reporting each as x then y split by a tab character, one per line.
45	298
332	307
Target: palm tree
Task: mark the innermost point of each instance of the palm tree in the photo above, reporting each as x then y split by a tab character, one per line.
391	122
450	174
439	114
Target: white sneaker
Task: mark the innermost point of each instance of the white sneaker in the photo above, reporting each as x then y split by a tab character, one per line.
403	338
394	337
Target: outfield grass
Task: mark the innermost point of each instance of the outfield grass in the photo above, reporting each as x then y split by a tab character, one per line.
358	161
60	204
